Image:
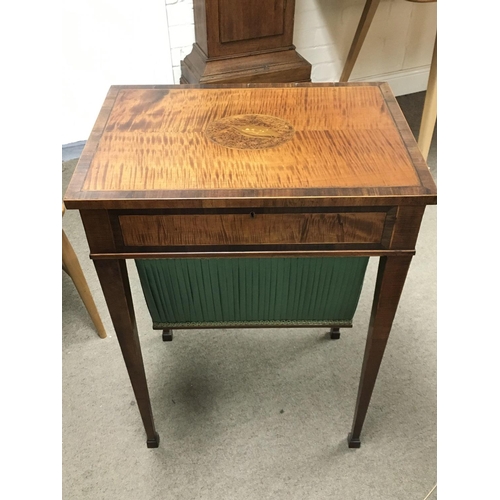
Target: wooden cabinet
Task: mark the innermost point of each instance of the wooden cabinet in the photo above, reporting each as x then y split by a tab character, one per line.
244	41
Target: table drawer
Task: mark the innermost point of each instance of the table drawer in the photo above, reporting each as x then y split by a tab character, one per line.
252	229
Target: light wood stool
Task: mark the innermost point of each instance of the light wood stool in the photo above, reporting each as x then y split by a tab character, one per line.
71	266
429	114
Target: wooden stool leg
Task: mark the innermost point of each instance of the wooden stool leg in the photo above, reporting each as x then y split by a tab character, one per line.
359	37
72	267
429	113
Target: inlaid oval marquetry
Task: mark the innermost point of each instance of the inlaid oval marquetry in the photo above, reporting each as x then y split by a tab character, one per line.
249	131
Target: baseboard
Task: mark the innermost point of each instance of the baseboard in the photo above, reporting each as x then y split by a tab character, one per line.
72	150
402	82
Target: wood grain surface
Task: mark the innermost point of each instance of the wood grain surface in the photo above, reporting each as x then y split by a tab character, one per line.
244	20
227	28
247	41
279	66
349	140
251	229
155	139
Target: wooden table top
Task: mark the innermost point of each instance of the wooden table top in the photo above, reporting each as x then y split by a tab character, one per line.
160	146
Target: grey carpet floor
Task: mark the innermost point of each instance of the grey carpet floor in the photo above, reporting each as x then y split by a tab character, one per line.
252	414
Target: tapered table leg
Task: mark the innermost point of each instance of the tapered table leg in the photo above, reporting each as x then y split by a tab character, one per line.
391	276
116	288
359	37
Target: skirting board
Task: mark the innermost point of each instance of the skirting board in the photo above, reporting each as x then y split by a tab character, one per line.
402	82
72	150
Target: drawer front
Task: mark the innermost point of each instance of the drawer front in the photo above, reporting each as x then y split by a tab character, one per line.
252	229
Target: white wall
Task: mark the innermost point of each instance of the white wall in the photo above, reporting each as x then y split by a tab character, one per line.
108	42
397	48
180	20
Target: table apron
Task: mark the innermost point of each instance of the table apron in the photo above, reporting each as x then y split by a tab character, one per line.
332	231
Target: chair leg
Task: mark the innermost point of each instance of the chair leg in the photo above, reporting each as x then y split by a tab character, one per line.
359	37
72	267
429	113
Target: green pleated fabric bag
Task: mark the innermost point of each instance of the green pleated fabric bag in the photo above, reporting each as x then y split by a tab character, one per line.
213	292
